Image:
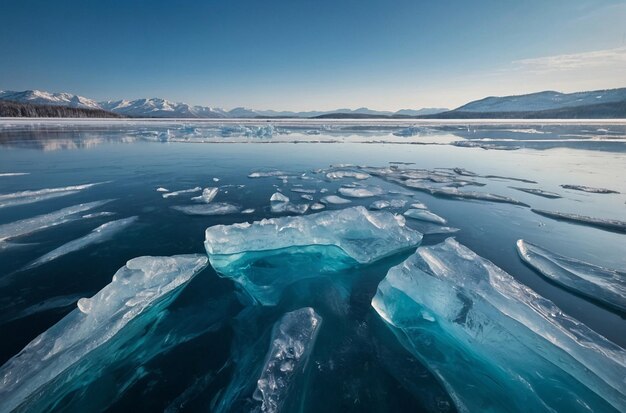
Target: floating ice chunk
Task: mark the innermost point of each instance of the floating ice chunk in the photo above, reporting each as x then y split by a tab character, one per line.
538	192
469	321
456	193
248	211
304	190
99	235
484	145
161	189
184	191
266	256
598	283
29	197
30	225
347	174
214	208
99	214
208	194
362	192
418	205
388	203
426	216
266	174
216	179
288	207
278	197
323	190
590	189
307	197
293	338
14	173
317	206
607	224
334	199
144	282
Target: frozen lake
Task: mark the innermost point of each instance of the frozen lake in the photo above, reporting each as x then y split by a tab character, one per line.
105	192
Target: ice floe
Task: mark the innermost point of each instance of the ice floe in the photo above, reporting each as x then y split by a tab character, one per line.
469	321
361	191
29	197
208	194
589	189
347	174
183	191
317	206
14	174
538	192
143	283
602	223
278	197
388	203
335	200
267	174
214	208
424	215
99	235
266	256
293	338
600	284
161	189
30	225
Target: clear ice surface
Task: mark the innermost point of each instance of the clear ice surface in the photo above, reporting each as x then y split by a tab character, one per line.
424	215
137	286
495	344
214	208
29	197
99	235
30	225
293	338
182	191
602	223
266	256
208	194
601	284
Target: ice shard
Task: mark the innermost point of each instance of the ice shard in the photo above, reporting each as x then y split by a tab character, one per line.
29	197
293	338
538	192
361	192
182	191
142	284
99	235
605	285
472	323
614	225
266	256
214	208
208	194
424	215
590	189
30	225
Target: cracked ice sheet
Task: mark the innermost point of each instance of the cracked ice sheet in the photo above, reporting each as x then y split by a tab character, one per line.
324	243
142	283
467	319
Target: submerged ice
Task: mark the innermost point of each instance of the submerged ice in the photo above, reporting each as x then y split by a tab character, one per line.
266	256
601	284
134	290
471	322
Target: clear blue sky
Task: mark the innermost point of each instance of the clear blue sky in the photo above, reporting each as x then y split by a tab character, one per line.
301	55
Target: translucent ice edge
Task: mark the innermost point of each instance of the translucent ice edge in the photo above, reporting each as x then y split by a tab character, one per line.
137	286
602	223
29	197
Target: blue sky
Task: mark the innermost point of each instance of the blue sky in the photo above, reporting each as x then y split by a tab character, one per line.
304	55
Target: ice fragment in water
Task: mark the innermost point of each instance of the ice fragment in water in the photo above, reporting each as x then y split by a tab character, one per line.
262	174
418	205
361	192
293	338
248	211
161	189
334	199
288	207
391	203
307	197
99	235
600	284
208	194
607	224
590	189
538	192
426	216
14	173
266	256
317	206
471	322
214	208
183	191
278	197
29	197
143	283
347	174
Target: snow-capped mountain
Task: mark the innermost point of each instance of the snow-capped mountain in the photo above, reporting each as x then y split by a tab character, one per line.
39	97
420	112
160	108
543	101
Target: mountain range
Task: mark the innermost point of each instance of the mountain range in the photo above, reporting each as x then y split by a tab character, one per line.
608	103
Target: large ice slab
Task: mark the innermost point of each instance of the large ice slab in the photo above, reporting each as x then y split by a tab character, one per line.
601	284
99	235
472	323
214	208
361	191
593	190
293	338
266	256
30	225
602	223
29	197
135	288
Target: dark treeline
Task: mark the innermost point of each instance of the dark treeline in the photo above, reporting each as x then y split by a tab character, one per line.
27	110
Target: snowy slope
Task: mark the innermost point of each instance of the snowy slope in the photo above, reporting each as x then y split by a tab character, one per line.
543	101
46	98
160	108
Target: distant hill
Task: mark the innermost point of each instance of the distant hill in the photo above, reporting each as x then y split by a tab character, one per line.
541	101
46	98
30	110
160	108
